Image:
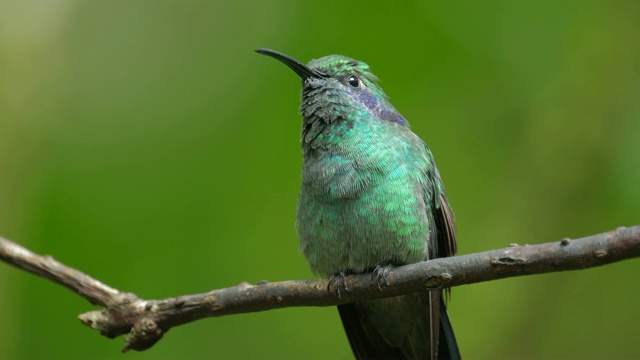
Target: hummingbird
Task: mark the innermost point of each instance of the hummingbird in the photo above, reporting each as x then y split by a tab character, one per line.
371	198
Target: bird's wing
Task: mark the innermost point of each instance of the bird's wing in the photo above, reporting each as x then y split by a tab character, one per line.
444	246
444	221
441	243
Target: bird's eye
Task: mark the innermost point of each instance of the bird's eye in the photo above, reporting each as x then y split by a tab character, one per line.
353	81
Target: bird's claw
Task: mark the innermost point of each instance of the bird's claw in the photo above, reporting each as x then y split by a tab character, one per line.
379	275
339	282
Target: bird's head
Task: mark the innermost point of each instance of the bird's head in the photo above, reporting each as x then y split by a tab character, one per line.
338	86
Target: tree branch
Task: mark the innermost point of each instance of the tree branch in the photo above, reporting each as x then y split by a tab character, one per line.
144	322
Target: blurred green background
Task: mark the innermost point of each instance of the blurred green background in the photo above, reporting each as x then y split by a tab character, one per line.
145	143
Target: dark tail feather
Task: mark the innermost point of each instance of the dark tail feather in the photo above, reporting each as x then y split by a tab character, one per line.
448	346
435	324
366	342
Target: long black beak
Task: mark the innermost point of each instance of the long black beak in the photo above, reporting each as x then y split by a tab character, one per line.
301	69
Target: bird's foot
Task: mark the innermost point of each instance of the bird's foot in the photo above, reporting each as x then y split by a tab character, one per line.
338	281
379	275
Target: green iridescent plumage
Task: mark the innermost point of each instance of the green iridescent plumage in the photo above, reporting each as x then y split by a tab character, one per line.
371	196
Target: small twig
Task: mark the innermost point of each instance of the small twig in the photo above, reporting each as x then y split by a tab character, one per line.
144	322
46	266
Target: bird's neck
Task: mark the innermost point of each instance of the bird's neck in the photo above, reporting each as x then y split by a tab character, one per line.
333	120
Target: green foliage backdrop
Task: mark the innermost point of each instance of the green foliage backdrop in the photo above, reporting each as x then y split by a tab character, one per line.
145	143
